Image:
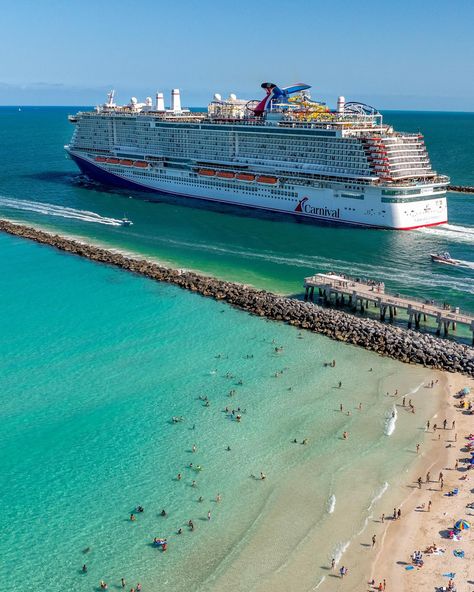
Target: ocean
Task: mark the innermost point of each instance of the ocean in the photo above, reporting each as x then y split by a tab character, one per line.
96	363
269	252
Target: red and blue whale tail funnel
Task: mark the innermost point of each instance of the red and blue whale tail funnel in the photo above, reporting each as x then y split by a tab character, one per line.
276	93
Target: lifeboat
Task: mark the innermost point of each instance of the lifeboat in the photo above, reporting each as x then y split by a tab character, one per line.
100	159
207	172
126	162
141	164
245	177
113	160
267	180
225	174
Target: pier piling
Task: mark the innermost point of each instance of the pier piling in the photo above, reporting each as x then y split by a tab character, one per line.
360	295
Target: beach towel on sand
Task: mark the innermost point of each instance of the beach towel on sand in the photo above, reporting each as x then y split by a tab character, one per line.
458	553
450	575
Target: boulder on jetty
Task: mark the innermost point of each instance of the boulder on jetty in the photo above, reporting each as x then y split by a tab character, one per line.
400	344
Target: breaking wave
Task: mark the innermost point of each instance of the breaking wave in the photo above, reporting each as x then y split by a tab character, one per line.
391	421
331	504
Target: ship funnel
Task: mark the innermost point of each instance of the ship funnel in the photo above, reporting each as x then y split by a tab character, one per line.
341	102
160	101
175	100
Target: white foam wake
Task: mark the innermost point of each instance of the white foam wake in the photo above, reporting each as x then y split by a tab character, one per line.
331	504
55	210
453	232
391	421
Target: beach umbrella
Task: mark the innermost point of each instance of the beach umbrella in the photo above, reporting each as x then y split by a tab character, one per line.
462	525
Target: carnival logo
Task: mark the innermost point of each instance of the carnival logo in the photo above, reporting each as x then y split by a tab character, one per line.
299	207
307	208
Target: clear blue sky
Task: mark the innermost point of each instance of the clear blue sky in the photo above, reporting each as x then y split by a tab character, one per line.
406	54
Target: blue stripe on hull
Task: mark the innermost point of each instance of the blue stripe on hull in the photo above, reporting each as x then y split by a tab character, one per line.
98	174
95	172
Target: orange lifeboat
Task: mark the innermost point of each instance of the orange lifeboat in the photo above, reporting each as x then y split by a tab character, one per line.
141	164
207	172
100	159
225	174
126	162
267	180
245	177
113	160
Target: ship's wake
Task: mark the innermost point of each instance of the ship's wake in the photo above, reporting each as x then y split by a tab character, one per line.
55	210
453	232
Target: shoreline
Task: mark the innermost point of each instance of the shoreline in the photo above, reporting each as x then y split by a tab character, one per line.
403	345
420	527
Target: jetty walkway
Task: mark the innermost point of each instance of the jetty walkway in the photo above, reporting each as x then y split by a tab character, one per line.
333	287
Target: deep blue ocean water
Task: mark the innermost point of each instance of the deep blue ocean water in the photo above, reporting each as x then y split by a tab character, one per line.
95	362
267	251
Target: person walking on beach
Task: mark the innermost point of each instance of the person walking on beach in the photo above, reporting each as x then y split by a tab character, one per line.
417	448
340	407
453	425
383	518
428	477
429	506
333	563
445	423
399	514
419	482
343	571
427	425
440	477
394	513
403	401
373	541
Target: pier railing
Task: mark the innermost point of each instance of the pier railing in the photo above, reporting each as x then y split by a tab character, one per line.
360	292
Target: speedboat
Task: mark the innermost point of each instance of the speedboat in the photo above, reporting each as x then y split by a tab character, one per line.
126	222
444	258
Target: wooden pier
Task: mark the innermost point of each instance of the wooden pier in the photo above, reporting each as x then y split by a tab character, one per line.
341	290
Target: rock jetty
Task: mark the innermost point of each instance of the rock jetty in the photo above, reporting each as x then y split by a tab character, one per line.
461	188
394	342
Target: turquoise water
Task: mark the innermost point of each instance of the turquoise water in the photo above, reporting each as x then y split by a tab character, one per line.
274	253
95	362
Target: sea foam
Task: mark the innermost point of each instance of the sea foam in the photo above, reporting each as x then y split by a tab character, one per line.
331	504
391	421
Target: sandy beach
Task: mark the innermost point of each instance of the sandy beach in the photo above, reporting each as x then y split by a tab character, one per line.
422	526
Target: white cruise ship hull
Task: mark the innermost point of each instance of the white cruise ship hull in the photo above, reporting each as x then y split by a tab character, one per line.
375	206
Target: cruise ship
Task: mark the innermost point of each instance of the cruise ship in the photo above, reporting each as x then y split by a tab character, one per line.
285	153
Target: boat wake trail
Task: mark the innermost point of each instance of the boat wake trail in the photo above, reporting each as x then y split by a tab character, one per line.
55	210
453	232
